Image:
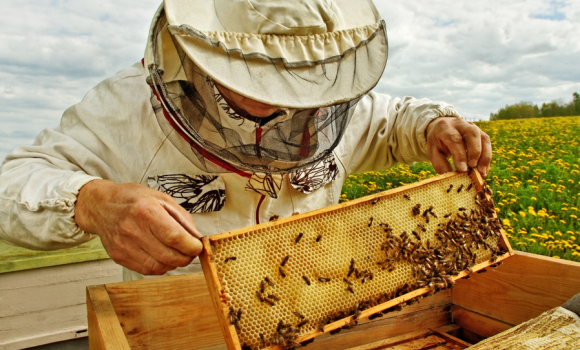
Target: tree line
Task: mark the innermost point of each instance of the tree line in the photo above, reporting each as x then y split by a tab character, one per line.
523	110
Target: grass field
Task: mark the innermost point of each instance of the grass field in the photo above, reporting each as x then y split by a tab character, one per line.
535	176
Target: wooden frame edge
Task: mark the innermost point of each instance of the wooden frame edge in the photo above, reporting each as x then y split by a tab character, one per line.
479	183
105	332
217	295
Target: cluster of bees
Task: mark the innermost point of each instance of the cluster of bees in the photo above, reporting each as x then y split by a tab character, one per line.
433	264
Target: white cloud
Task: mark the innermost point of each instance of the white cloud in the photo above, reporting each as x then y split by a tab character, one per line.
482	55
478	55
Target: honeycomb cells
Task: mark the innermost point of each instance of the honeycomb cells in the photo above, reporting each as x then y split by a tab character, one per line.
343	234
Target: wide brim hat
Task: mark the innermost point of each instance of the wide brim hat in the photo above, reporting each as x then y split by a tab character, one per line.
290	53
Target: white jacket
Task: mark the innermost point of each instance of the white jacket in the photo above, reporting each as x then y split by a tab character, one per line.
114	134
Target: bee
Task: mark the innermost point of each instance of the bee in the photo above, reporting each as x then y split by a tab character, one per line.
285	260
447	215
273	297
347	282
306	280
270	283
299	237
299	315
422	227
351	264
239	314
416	209
269	302
426	219
350	289
450	188
323	323
323	279
460	188
461	209
365	278
231	258
370	221
262	340
469	187
407	197
274	217
350	271
318	238
280	326
260	296
335	331
281	272
482	271
302	323
416	235
375	201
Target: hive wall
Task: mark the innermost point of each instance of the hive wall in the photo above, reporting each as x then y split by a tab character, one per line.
323	255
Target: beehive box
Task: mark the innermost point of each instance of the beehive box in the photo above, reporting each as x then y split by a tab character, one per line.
281	284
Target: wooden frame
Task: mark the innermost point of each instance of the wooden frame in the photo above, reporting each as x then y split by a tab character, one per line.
218	293
177	312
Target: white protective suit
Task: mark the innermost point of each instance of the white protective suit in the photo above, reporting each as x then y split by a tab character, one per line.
114	134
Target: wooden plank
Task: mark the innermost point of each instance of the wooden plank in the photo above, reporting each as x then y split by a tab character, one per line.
522	288
476	323
394	340
167	313
448	328
451	339
105	332
218	296
377	330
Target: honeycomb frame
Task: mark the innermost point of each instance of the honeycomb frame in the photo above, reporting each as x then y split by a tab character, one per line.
309	237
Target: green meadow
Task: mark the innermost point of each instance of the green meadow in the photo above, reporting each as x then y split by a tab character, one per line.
535	176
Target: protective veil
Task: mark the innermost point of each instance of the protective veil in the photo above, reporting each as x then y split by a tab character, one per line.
299	139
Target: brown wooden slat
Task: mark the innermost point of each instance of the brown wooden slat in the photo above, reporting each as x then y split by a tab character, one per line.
479	324
378	330
167	313
454	340
218	296
105	333
522	288
381	344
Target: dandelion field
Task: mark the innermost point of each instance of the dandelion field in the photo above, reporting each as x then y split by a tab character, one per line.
535	176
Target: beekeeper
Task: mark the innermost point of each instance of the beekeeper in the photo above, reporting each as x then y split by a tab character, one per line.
242	111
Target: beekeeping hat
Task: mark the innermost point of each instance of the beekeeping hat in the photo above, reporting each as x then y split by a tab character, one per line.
292	53
312	58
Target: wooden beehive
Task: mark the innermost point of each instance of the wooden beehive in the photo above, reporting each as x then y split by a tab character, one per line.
282	283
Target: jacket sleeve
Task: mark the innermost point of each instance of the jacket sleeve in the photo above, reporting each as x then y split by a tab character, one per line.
39	183
384	131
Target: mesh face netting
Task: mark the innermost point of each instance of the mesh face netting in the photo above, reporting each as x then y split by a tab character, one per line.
207	128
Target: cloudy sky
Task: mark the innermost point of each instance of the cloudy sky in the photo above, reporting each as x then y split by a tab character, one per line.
477	55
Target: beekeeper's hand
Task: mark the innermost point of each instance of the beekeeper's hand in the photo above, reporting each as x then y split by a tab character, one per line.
141	228
464	141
